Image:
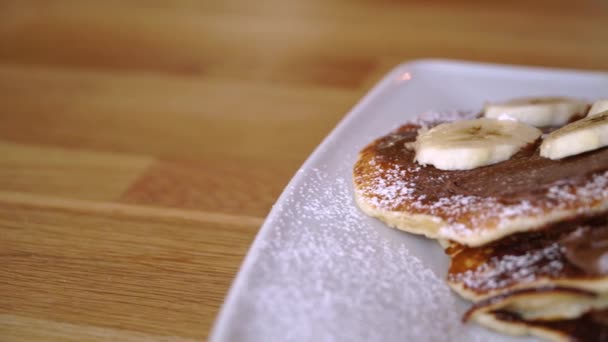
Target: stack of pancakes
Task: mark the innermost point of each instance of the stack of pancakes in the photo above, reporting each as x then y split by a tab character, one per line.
527	237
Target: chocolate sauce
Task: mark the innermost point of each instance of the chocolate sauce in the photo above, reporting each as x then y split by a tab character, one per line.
483	304
587	248
590	327
525	176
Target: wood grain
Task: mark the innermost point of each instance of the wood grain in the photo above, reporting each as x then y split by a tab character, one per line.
81	267
216	185
67	172
164	115
142	143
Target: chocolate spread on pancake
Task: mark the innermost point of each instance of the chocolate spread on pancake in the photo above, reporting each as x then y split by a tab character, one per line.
489	302
566	250
587	248
477	206
525	176
590	327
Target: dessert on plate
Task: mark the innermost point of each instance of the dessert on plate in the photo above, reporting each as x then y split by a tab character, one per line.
517	195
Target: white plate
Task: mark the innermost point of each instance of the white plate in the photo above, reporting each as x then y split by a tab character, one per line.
320	270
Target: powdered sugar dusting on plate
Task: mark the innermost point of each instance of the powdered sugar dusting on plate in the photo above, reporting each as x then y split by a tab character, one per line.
326	274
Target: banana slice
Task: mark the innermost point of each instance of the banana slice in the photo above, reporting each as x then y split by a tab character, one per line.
584	135
538	112
467	144
598	107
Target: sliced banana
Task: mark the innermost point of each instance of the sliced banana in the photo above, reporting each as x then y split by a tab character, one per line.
467	144
598	107
538	112
584	135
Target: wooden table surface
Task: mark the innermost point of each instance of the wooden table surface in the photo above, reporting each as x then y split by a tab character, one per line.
142	143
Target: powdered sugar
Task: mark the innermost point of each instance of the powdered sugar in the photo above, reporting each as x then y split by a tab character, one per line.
500	272
593	190
326	273
431	116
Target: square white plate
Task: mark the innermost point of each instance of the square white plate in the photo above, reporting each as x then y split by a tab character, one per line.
320	270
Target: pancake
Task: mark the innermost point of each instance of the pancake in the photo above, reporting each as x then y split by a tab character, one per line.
478	206
591	327
527	237
570	254
544	303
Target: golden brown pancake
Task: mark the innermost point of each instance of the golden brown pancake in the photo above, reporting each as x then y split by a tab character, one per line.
478	206
546	303
541	283
569	254
591	327
528	237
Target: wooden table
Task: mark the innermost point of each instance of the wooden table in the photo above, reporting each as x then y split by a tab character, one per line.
142	143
